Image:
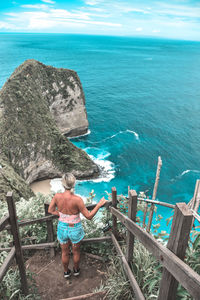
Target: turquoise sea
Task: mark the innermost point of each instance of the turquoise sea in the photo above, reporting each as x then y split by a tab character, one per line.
142	99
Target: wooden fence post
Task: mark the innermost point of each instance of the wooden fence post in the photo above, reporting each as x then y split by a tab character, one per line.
132	211
50	232
196	199
145	214
17	243
177	243
154	193
114	204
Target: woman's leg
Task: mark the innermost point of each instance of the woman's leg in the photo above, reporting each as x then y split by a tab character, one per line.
76	255
65	255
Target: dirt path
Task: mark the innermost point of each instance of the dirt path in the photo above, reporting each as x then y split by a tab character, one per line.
51	283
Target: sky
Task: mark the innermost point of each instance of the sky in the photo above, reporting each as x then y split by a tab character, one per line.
176	19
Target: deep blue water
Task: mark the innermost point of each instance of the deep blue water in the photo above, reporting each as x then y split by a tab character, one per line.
142	99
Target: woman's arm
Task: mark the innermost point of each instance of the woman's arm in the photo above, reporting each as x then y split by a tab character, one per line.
90	214
52	207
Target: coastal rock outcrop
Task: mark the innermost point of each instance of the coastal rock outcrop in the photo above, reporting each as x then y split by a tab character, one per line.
38	104
11	181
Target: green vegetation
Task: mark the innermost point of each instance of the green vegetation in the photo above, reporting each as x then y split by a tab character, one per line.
146	268
11	181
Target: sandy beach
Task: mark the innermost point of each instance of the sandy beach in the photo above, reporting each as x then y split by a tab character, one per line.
42	186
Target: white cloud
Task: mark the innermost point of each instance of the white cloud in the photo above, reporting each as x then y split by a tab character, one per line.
156	30
35	6
178	10
139	29
48	1
55	18
63	13
6	25
92	2
130	17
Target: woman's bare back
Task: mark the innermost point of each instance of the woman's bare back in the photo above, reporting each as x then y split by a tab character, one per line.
67	203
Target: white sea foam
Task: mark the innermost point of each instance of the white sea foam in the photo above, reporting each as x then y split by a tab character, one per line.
106	167
183	173
78	136
135	133
120	132
187	171
56	185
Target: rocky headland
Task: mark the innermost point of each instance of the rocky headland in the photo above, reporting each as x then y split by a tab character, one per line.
39	106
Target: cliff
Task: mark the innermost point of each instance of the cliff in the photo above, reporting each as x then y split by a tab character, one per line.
11	181
37	104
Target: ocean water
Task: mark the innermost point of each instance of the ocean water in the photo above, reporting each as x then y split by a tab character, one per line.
142	100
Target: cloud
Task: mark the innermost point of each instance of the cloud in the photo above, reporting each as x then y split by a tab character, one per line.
156	30
178	10
63	13
6	25
116	17
55	18
91	2
35	6
139	29
48	1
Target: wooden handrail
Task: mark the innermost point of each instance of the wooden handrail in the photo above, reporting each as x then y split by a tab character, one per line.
4	222
53	244
33	221
6	264
196	215
49	217
188	278
127	269
157	202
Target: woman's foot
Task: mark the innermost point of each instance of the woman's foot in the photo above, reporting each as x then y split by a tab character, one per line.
76	272
67	274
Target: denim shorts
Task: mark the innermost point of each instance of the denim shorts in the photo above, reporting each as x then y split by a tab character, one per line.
65	233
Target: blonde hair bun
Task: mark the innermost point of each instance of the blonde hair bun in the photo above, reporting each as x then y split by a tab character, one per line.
68	181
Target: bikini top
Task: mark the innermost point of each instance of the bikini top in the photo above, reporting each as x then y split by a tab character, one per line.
69	218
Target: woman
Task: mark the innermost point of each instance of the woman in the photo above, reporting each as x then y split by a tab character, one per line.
68	206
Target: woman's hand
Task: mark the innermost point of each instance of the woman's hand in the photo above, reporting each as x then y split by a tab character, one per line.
102	202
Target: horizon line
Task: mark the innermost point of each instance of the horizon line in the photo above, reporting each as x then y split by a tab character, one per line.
105	35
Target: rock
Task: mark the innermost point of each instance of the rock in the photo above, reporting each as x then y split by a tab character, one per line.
11	181
64	94
37	104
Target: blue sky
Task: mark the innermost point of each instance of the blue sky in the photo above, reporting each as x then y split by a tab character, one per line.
169	19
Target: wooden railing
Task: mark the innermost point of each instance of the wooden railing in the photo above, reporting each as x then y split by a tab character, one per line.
171	257
11	223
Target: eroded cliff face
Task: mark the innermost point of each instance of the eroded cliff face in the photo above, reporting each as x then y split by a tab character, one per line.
37	104
62	91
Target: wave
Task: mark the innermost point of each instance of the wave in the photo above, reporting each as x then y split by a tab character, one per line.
135	133
107	169
56	185
78	136
120	132
183	173
188	171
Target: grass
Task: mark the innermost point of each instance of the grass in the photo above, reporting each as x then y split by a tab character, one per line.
146	269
